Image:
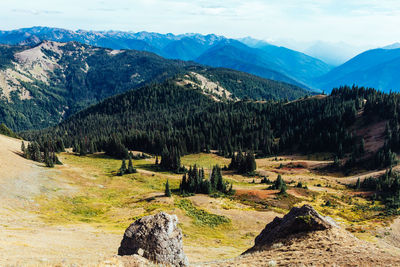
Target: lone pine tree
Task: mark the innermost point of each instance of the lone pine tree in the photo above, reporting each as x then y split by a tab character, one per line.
167	189
122	170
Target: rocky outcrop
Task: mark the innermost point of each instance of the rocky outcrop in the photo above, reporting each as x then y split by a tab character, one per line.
298	220
156	238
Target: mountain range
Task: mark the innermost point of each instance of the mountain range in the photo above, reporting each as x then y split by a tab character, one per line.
374	68
377	68
44	84
267	61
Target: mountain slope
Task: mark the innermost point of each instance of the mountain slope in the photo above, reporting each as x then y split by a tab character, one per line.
42	85
271	61
189	119
267	61
376	68
238	57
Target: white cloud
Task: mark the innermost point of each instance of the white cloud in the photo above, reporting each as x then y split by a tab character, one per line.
358	22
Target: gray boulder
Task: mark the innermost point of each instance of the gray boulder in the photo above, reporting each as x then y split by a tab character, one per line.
156	238
298	220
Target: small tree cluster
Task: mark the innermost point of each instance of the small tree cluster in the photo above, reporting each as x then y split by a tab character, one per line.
171	160
33	152
279	184
115	148
194	182
126	170
84	147
387	186
243	163
50	158
385	158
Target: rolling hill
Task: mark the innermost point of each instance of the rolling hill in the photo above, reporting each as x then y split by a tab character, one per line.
376	68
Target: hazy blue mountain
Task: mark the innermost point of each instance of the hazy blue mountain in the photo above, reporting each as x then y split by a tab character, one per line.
378	68
238	56
267	61
297	65
264	59
255	43
190	47
334	54
392	46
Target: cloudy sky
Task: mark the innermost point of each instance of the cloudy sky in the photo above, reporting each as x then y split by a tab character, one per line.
356	22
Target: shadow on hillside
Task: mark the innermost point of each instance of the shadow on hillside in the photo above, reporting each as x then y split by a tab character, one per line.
149	199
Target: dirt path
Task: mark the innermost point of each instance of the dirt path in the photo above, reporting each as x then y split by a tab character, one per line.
24	239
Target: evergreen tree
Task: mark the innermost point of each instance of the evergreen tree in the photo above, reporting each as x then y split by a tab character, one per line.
122	170
358	184
48	161
23	148
131	169
167	189
279	184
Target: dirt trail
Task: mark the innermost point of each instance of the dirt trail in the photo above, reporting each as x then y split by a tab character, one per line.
24	239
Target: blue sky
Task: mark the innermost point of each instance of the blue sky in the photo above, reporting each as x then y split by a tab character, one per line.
356	22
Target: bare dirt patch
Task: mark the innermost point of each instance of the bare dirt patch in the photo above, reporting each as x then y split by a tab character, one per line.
25	240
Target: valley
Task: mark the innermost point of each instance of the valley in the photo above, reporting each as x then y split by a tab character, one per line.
236	138
87	206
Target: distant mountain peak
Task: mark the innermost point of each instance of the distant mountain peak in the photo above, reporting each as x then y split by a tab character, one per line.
392	46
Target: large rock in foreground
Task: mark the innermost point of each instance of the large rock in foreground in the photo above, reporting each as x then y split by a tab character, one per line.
156	238
298	220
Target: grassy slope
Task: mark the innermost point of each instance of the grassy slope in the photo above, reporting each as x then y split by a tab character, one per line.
111	203
226	227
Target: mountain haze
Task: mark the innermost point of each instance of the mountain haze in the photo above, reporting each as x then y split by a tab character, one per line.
273	62
378	68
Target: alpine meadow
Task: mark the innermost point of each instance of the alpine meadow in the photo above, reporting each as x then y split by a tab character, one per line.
170	133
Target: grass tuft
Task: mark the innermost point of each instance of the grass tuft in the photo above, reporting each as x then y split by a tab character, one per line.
200	216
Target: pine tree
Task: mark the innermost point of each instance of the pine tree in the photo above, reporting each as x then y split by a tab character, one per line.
250	162
362	146
48	160
336	162
131	169
122	170
283	190
167	190
23	148
358	184
279	183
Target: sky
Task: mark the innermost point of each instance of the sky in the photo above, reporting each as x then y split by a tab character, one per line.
359	23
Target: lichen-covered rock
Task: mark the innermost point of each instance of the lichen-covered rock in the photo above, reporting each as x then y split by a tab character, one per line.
156	238
298	220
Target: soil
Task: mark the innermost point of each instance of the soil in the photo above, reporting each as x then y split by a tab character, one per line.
24	239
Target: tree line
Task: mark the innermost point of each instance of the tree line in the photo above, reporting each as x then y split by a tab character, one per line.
166	119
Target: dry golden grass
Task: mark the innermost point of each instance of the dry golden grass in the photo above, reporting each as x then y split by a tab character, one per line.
84	203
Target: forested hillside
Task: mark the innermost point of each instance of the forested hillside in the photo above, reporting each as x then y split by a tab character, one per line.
43	85
266	60
183	119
